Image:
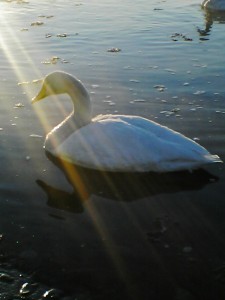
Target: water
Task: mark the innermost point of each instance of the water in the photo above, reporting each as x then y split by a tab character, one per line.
128	238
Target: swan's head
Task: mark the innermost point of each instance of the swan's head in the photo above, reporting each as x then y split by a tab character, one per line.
54	83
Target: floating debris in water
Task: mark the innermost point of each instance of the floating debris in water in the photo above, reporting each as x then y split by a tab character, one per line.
37	23
153	67
48	35
139	100
166	113
220	112
196	139
52	294
114	50
29	82
25	289
128	68
19	105
160	87
62	35
199	93
1	129
200	66
36	80
134	80
109	102
23	82
175	109
24	29
33	135
47	17
170	71
52	60
180	36
186	84
95	86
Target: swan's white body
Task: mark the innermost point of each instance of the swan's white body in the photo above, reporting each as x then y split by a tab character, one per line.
216	5
116	142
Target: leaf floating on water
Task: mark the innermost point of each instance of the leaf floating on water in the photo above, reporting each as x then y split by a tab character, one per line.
23	82
166	113
47	17
139	100
36	80
52	294
29	82
134	80
172	71
37	23
33	135
175	109
160	87
25	289
52	60
95	86
199	92
196	139
114	50
18	105
180	36
62	35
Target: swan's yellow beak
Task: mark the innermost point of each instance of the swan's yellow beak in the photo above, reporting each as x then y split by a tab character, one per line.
41	95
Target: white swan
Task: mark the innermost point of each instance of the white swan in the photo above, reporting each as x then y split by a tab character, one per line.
216	5
116	142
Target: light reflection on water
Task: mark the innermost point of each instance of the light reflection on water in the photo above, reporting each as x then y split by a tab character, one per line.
173	45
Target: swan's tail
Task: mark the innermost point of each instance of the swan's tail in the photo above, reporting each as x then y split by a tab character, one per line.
212	159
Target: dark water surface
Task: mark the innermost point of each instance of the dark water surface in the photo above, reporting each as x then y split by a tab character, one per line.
114	236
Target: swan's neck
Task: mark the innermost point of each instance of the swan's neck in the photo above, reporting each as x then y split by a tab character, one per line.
81	102
80	116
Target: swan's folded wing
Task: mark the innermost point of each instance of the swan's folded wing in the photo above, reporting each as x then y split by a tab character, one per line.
138	145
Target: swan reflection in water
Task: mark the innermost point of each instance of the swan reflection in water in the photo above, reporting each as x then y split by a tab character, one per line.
125	187
211	16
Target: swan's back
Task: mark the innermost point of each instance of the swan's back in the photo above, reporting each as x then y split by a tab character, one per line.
131	143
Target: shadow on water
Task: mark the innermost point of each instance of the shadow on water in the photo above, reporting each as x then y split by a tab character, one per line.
117	186
210	18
